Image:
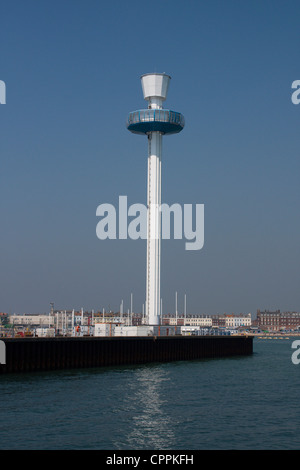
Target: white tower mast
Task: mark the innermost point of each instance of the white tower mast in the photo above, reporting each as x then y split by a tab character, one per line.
154	122
155	88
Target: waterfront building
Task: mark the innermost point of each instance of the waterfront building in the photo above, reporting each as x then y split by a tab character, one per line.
31	320
276	320
232	321
237	321
220	321
198	320
174	320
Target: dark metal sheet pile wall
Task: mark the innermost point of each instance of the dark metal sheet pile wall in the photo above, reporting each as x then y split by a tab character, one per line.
37	354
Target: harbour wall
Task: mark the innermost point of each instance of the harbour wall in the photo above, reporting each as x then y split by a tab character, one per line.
41	354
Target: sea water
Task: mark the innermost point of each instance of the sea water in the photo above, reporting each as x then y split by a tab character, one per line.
245	402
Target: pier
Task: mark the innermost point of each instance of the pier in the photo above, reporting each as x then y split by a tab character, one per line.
42	354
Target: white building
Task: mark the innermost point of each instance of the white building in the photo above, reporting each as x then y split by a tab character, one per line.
110	319
236	321
201	320
32	320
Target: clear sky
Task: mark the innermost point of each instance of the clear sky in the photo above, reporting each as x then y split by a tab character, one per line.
72	71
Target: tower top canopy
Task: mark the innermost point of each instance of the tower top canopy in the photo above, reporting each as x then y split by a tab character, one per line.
155	85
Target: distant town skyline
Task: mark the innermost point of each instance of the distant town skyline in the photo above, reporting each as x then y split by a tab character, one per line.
72	74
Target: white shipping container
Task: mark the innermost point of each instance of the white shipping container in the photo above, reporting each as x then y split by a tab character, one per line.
45	332
132	331
146	330
104	329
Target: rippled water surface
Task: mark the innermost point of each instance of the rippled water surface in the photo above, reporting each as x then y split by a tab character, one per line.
236	403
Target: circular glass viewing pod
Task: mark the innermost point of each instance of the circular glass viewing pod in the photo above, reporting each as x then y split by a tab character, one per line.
165	121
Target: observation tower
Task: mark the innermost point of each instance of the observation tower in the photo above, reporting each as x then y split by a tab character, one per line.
154	122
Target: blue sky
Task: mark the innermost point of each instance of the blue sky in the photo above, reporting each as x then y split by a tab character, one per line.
72	70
